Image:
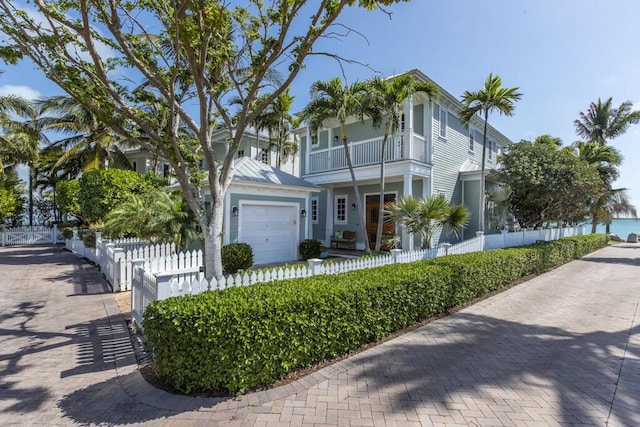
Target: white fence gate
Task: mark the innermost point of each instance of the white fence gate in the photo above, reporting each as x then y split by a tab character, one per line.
33	235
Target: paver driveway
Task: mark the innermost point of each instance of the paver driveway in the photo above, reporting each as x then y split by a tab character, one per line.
563	348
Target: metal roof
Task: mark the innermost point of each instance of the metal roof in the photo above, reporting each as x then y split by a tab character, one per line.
251	170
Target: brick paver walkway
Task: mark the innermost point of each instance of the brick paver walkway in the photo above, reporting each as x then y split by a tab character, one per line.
561	349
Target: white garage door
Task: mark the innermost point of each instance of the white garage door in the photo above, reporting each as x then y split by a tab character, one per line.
271	231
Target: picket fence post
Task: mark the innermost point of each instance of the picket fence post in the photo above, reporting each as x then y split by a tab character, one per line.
313	264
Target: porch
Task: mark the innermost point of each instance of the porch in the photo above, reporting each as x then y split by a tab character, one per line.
368	152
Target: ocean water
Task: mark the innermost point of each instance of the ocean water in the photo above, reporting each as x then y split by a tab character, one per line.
621	227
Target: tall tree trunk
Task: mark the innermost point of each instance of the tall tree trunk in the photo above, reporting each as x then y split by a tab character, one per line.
213	236
356	190
594	223
482	168
381	202
31	195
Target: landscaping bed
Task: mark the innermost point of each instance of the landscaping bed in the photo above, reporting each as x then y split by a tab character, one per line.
243	338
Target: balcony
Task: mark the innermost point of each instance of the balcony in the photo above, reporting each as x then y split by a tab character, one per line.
368	152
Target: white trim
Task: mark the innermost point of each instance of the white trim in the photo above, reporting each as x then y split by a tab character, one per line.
346	209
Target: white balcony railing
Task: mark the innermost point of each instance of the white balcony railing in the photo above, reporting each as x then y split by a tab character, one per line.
367	152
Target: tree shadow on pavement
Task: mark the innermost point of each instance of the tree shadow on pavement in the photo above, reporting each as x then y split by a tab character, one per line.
514	368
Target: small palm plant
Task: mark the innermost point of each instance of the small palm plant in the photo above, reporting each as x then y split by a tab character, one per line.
427	216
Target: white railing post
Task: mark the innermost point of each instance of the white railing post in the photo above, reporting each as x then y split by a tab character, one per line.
116	274
137	293
446	247
163	287
480	234
75	233
504	238
314	263
395	253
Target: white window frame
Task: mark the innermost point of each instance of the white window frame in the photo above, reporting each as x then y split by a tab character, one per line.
313	207
490	148
336	204
264	155
472	139
443	118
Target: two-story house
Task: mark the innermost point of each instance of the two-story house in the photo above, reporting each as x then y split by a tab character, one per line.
265	206
433	154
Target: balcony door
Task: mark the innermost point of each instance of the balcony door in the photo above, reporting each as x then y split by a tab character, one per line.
374	215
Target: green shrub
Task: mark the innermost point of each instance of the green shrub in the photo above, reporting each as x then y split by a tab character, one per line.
88	238
310	248
240	338
67	232
236	256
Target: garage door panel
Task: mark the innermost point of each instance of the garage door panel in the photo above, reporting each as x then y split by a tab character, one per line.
271	232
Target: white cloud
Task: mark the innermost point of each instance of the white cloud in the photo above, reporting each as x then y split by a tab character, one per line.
25	92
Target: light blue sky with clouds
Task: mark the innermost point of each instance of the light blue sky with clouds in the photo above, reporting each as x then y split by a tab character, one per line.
562	54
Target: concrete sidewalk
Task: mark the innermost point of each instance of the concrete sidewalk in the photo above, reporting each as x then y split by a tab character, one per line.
561	349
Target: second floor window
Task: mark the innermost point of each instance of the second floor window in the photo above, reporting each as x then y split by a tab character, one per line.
240	153
490	148
341	210
165	170
443	122
264	155
472	139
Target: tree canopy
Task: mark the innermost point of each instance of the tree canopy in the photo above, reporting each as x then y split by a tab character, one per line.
162	74
548	183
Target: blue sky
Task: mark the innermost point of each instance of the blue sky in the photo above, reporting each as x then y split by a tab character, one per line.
562	54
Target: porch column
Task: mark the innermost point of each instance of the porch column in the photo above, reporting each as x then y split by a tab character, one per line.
307	153
407	239
426	187
408	129
428	130
226	219
329	217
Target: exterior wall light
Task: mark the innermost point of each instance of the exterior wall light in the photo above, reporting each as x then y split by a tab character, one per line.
234	210
353	206
303	213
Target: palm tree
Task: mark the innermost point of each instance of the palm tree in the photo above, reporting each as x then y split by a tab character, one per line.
610	201
492	98
21	141
332	100
602	122
427	216
92	145
160	215
384	103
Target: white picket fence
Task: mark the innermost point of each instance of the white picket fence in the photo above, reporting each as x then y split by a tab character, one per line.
115	258
29	235
150	284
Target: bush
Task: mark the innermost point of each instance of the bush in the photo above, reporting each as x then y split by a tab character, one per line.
244	337
236	256
67	232
310	248
88	238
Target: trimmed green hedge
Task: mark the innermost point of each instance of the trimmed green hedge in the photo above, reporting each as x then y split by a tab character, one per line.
244	337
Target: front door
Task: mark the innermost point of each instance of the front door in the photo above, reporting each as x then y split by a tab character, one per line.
374	215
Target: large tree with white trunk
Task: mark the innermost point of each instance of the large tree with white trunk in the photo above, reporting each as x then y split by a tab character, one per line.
164	74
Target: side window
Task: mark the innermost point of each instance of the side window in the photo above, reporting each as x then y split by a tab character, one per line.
443	122
340	210
134	165
472	138
264	156
314	210
490	148
240	153
165	170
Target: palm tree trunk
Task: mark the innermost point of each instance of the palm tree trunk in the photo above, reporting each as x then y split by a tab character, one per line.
31	196
594	223
381	203
482	167
356	190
